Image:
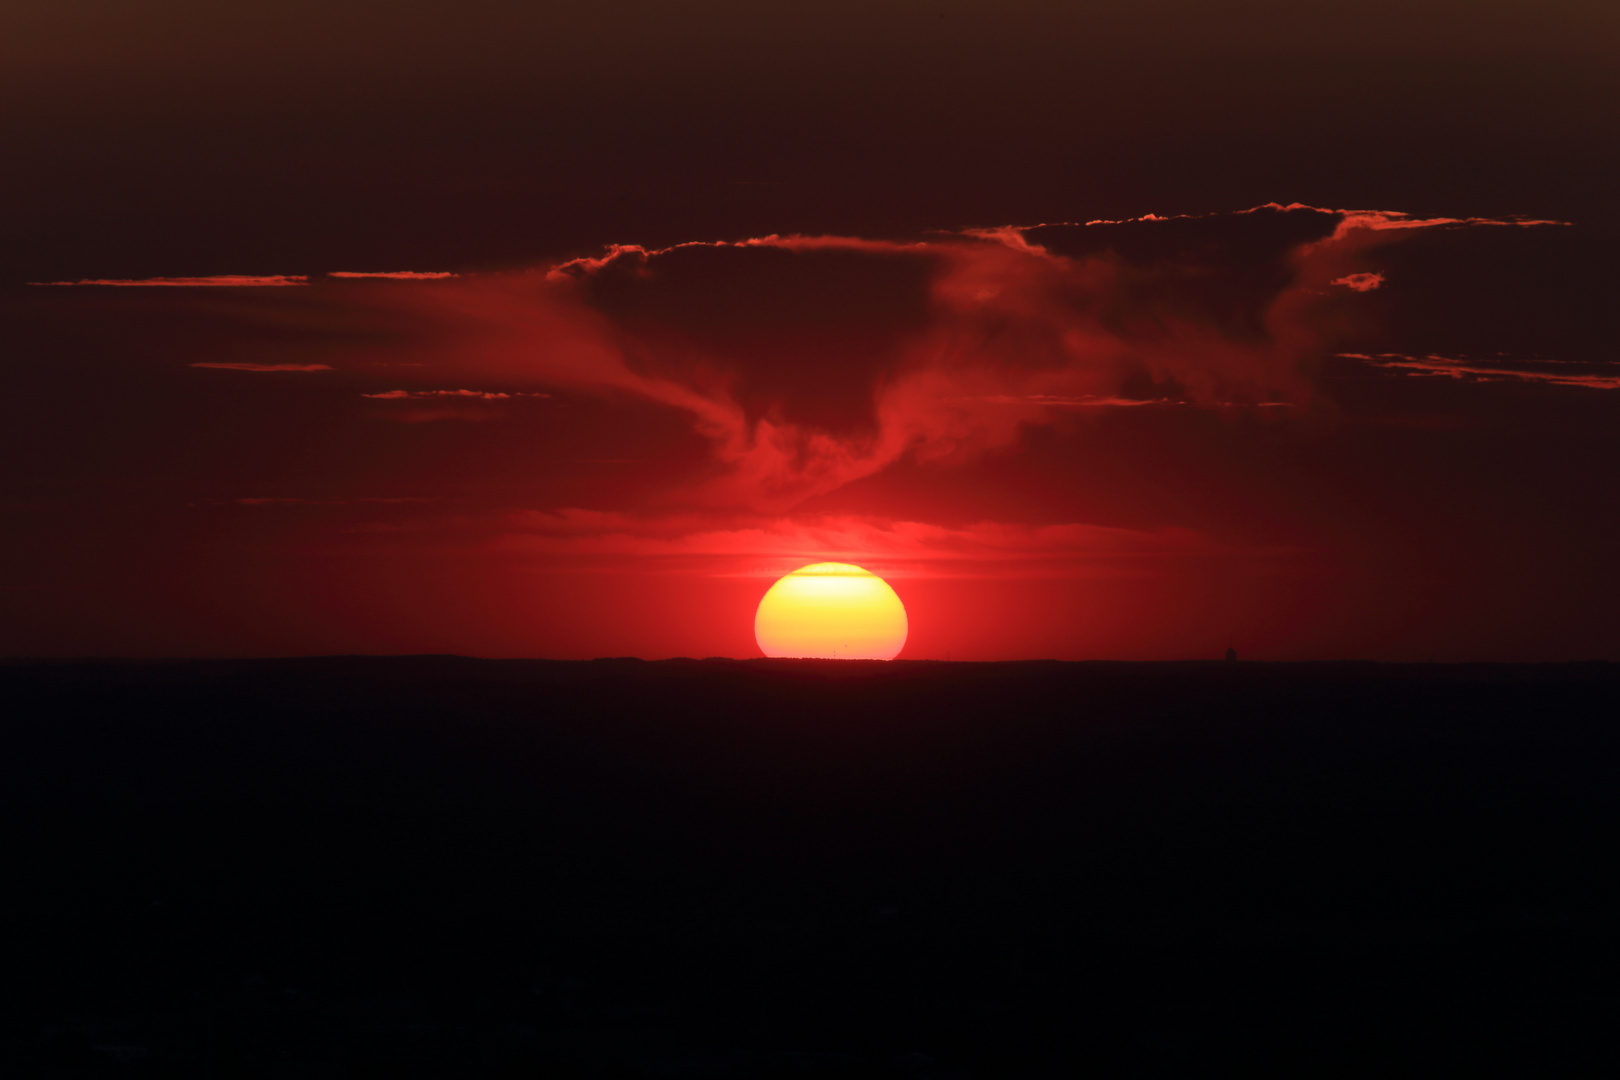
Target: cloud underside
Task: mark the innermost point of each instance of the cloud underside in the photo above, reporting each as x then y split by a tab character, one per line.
811	362
807	363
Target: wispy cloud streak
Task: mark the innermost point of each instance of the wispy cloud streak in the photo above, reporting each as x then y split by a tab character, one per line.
295	501
1449	367
234	365
477	395
394	275
239	281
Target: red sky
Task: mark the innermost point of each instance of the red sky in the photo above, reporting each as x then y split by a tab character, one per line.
337	332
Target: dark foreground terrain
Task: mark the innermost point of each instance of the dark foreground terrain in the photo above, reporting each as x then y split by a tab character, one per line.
441	867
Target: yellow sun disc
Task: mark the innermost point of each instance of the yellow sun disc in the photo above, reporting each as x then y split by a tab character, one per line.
831	610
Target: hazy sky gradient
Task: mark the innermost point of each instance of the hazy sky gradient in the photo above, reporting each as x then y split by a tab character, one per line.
515	331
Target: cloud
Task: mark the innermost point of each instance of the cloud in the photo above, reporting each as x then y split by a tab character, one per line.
395	275
466	405
1386	220
942	349
1056	402
587	265
257	500
1361	231
221	280
1353	219
810	362
1464	369
479	395
233	365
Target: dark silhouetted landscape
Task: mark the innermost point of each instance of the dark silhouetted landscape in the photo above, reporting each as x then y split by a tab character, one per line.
445	867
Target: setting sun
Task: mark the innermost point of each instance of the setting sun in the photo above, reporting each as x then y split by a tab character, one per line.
831	610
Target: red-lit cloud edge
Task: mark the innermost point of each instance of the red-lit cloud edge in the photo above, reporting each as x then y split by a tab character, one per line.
228	281
1351	223
476	395
250	281
243	365
1544	371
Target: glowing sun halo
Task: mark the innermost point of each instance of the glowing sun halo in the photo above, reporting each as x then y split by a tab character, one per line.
832	610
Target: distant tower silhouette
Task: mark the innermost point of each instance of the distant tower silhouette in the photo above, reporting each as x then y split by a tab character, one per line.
1231	654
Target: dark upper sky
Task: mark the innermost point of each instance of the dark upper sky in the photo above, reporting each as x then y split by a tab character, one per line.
283	136
1307	432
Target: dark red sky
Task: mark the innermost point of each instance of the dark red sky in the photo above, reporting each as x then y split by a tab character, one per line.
1324	366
